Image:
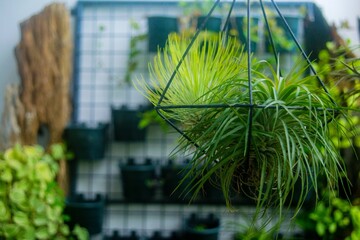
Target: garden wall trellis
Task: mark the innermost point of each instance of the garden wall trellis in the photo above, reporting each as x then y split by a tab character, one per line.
102	36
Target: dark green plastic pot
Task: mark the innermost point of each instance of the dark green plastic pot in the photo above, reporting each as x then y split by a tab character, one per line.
159	28
213	24
87	212
116	236
237	23
172	174
138	180
158	236
87	141
202	228
126	124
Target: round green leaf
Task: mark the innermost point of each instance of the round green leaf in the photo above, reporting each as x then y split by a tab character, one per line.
64	230
332	228
320	229
52	228
29	233
17	196
21	219
6	175
42	233
10	230
4	212
40	221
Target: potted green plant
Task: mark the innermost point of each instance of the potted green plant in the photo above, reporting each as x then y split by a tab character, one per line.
266	133
31	202
139	181
202	228
87	211
87	141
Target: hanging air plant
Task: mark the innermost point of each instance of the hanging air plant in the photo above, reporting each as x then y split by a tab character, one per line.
261	149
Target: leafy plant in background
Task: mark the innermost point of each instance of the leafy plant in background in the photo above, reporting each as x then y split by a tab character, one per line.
340	68
289	123
278	33
194	11
31	202
254	30
134	51
334	219
343	77
191	11
196	8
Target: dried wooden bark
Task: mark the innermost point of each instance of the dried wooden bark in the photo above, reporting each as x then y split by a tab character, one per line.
44	57
44	63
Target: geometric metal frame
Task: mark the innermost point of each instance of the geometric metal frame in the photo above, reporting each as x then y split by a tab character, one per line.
249	105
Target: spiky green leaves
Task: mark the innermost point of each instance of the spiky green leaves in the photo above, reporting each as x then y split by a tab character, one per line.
289	141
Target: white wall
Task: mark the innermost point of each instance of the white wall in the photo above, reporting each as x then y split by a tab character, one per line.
336	11
12	12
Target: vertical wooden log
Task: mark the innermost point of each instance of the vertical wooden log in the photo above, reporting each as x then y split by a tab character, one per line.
44	57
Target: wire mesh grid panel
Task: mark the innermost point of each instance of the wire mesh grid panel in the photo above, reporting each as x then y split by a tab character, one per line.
105	55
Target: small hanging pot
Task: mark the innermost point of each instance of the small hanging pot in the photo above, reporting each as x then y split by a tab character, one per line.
87	141
126	124
138	180
87	212
159	28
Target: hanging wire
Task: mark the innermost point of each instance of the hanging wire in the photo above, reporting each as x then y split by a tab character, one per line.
251	105
227	21
271	39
